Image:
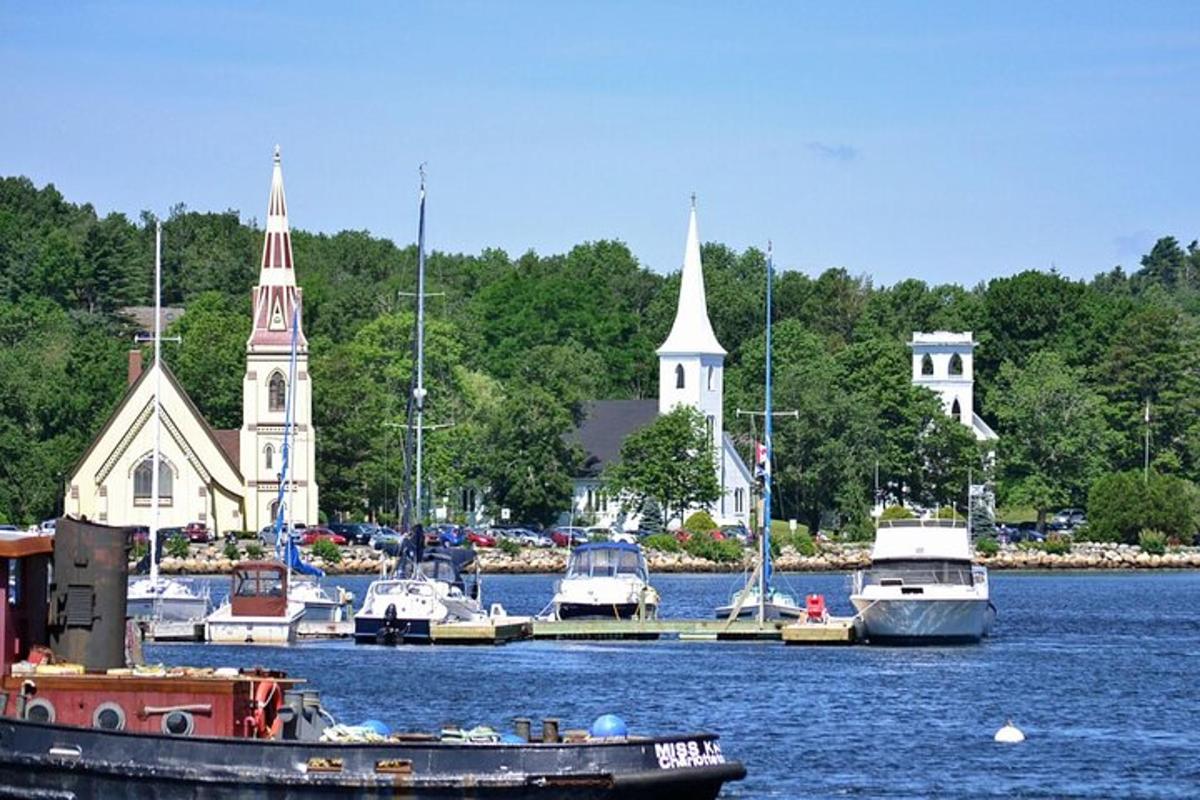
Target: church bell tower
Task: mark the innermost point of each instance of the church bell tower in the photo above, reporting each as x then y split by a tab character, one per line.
278	306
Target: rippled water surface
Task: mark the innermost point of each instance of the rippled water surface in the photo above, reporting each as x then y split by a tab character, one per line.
1099	669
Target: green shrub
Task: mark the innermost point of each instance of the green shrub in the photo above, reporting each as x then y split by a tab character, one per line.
231	551
508	546
327	551
254	550
895	512
1152	542
987	546
597	537
139	550
700	522
947	512
1122	504
178	547
1056	545
703	545
243	536
662	542
802	541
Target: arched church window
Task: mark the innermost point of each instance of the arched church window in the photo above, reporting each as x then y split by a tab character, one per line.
679	376
956	364
276	393
269	457
956	410
926	365
143	480
711	372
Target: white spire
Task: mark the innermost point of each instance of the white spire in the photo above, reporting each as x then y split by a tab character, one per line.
276	269
692	333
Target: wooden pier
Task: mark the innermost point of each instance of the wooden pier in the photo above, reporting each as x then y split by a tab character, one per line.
501	630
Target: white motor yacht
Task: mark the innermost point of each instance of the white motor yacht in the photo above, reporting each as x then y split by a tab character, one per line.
166	599
400	610
320	604
921	587
605	580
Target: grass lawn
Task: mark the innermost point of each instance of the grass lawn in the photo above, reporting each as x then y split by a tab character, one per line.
1015	514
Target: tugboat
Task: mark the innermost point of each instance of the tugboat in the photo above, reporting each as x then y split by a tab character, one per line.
76	721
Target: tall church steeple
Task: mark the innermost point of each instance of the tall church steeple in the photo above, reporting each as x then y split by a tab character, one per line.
276	296
265	389
691	362
692	332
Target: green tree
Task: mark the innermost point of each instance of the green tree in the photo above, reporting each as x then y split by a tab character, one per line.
528	463
667	461
210	358
1053	438
1122	504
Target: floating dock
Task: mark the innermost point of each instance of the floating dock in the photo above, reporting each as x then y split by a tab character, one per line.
834	631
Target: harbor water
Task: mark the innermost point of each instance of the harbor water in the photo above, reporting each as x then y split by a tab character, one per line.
1099	670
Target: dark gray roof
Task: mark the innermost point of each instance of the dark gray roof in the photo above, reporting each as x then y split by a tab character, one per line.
605	425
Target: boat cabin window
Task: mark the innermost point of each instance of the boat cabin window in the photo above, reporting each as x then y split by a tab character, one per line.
920	572
258	583
439	570
606	563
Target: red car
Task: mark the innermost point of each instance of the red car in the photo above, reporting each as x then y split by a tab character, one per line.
481	539
312	535
198	533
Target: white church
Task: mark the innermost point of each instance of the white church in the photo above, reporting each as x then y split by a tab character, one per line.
691	371
225	479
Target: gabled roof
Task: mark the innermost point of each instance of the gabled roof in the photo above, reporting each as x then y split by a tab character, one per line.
231	456
605	425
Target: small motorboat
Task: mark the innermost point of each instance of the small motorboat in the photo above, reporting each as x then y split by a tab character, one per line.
921	587
320	604
258	610
605	580
428	588
80	722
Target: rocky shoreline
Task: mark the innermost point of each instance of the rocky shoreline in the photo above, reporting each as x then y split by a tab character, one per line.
210	560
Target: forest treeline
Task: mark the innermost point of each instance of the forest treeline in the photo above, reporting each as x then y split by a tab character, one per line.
516	346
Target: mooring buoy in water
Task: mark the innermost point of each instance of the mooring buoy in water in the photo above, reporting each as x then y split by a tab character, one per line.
1009	734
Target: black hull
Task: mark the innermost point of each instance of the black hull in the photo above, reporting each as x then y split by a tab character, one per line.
376	630
585	611
52	761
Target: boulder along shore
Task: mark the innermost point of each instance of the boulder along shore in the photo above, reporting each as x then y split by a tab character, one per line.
210	560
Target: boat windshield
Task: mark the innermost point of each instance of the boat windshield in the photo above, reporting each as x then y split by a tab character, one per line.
258	583
918	572
440	570
606	563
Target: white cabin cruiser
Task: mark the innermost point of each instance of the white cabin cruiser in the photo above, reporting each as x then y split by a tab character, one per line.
605	580
921	587
400	610
166	599
320	603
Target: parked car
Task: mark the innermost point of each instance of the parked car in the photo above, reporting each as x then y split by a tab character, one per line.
1026	532
481	539
316	534
198	533
625	537
385	538
568	536
739	532
354	532
446	535
167	534
47	527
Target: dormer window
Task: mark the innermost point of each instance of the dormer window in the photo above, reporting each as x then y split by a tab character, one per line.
679	376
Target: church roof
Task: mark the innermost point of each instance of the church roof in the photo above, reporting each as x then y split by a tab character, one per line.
227	441
692	332
605	425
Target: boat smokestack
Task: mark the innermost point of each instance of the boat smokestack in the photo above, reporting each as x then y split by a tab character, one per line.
88	594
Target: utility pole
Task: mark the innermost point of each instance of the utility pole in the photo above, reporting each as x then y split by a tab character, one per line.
1146	465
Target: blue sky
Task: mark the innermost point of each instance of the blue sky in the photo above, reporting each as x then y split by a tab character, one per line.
948	142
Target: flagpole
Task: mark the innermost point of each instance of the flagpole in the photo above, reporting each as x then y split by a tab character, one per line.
1146	465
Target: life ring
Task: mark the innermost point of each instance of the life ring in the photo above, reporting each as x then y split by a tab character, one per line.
265	719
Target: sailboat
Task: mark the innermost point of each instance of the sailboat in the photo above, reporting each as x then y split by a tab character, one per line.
154	597
428	585
759	598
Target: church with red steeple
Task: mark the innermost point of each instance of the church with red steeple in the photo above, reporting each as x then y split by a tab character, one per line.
227	480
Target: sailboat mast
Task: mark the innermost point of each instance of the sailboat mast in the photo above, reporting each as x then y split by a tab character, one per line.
419	390
764	542
155	459
289	432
